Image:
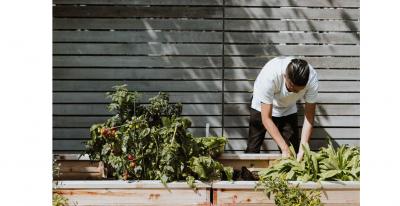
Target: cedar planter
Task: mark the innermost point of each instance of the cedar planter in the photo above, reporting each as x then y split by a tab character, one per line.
241	193
118	192
74	167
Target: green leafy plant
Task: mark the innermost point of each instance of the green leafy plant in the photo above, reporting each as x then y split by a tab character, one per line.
152	142
327	164
285	194
58	200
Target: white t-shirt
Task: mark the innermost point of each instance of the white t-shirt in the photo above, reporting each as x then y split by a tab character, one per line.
269	88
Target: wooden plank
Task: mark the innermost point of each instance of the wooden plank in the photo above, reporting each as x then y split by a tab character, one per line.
147	24
316	62
141	2
155	85
323	74
322	109
318	133
87	121
324	86
291	25
83	133
242	193
136	11
292	37
67	166
233	144
329	185
204	109
268	50
291	13
269	144
135	184
136	49
320	121
136	73
297	3
326	98
152	36
136	61
103	197
100	97
101	109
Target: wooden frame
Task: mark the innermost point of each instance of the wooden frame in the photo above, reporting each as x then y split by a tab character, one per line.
118	192
242	193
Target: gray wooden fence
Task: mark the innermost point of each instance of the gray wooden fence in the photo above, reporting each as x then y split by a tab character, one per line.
206	54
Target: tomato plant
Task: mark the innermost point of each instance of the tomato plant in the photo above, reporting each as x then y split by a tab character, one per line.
152	142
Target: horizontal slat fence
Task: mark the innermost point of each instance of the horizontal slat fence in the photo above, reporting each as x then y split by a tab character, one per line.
206	54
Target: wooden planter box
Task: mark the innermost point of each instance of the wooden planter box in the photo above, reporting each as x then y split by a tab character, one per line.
118	192
241	193
74	167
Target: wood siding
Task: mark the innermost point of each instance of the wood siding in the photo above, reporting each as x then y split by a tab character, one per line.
206	54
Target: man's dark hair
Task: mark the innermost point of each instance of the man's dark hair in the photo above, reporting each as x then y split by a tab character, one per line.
298	72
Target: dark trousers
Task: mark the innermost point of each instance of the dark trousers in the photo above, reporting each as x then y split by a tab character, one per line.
287	126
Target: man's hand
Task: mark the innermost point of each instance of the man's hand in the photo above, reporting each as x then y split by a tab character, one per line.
300	155
285	153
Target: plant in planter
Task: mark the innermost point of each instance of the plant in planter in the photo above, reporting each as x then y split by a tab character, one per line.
151	142
58	200
285	194
328	164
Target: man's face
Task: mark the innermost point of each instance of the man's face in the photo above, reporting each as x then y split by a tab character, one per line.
292	87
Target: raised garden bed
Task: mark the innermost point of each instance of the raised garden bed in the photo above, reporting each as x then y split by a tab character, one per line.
242	193
118	192
74	167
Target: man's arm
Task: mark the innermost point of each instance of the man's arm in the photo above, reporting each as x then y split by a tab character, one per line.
309	113
266	115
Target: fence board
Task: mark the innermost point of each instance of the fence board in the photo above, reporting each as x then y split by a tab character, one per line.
215	121
291	13
292	37
153	36
136	49
268	50
323	74
87	121
101	109
322	109
291	3
66	85
320	121
204	109
324	86
136	11
137	73
269	144
84	133
291	25
316	62
100	97
318	133
148	24
135	61
233	145
141	2
327	98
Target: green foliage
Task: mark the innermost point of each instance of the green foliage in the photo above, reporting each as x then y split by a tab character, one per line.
151	142
328	164
56	169
285	194
59	200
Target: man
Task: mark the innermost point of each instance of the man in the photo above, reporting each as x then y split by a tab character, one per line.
281	82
